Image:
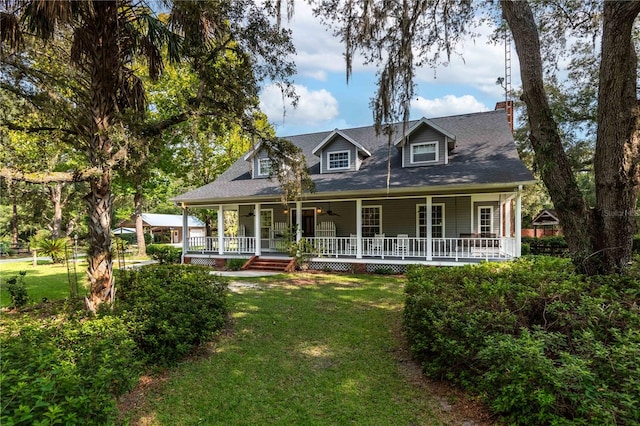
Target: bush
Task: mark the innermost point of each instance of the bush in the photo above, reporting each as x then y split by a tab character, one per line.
17	290
235	264
542	344
554	246
54	247
172	308
384	270
66	374
164	253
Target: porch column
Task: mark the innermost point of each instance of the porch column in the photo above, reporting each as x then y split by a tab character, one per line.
519	222
298	220
429	212
358	229
256	228
220	229
507	218
185	232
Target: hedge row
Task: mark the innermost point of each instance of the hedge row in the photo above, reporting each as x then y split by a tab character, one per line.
557	245
164	253
541	344
70	372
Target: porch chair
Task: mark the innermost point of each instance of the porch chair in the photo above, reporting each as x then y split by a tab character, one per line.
352	244
402	245
242	241
377	245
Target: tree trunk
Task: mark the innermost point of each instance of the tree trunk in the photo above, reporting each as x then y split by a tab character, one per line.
105	71
15	237
617	157
550	157
99	257
137	201
55	195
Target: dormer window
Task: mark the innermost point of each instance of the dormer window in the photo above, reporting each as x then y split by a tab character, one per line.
339	160
264	167
426	152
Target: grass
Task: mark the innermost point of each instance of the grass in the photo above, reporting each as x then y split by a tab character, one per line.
310	349
46	280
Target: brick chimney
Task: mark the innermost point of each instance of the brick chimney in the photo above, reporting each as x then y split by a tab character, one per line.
508	107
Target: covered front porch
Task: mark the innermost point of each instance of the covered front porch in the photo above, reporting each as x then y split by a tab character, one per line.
439	229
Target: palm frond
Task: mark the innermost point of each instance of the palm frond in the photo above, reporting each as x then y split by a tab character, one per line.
10	32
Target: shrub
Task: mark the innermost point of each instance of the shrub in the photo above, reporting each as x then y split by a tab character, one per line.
235	264
66	374
17	290
164	253
54	247
172	308
384	270
542	344
555	246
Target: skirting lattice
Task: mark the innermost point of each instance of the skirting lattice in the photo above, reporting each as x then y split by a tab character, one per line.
205	261
330	266
397	269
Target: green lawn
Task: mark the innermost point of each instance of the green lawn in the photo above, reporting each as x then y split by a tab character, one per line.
43	281
309	349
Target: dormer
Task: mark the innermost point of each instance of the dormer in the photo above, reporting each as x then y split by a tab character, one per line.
425	144
340	153
260	162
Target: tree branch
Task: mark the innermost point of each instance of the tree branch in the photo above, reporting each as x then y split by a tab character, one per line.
50	177
34	129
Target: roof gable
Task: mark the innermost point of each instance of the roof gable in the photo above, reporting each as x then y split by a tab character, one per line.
332	136
451	138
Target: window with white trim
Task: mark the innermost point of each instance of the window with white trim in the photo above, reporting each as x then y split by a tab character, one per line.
485	220
264	166
437	220
426	152
266	223
371	221
339	160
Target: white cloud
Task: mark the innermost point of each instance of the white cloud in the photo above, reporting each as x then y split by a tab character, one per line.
446	105
314	106
477	63
317	50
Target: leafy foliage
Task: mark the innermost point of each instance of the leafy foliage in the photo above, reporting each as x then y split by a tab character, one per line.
235	264
17	290
542	344
555	245
68	373
54	247
172	308
164	253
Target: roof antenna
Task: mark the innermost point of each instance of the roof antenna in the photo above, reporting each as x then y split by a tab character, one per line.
505	81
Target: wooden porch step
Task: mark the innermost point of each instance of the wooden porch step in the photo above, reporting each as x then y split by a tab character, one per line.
276	265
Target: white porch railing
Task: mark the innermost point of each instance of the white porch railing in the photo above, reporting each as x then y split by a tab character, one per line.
243	245
399	247
410	247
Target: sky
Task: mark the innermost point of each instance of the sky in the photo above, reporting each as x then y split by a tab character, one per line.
327	102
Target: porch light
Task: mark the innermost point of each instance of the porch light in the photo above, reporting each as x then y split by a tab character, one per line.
318	210
285	211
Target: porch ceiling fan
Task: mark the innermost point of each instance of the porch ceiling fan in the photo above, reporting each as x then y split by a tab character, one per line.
250	214
329	212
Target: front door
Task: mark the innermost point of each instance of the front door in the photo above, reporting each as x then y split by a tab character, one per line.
308	224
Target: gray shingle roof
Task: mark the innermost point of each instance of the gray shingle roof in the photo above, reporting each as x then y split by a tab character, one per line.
485	154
